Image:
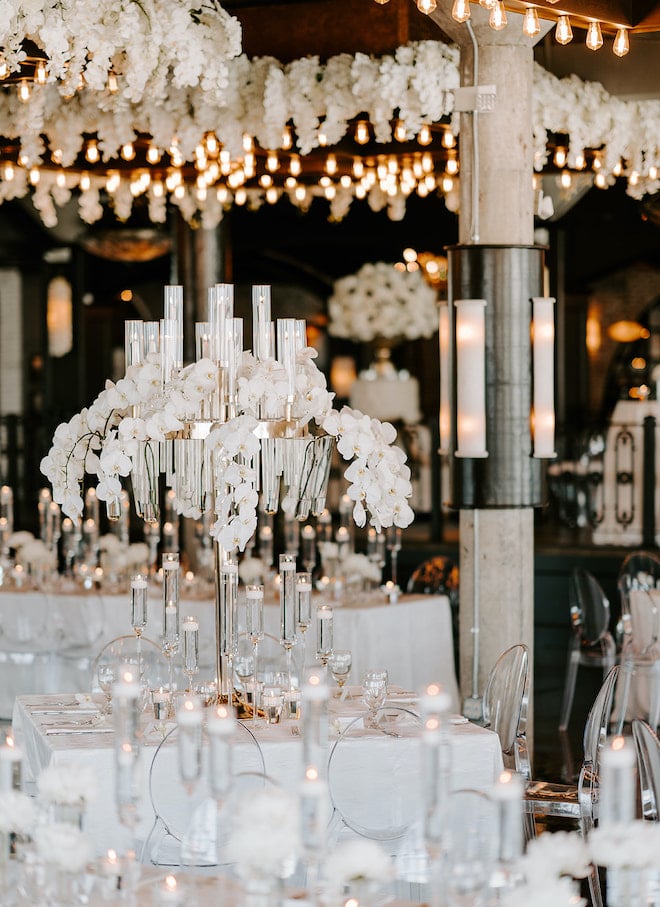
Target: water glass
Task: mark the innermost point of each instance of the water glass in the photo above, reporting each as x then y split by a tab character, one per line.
340	666
374	692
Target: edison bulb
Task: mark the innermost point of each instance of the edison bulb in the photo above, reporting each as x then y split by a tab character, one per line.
594	36
564	32
460	11
621	44
497	19
426	6
531	26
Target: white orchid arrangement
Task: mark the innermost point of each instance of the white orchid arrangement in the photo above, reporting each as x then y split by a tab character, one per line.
380	300
104	440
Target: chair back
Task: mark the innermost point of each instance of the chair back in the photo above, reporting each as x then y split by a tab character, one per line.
598	720
378	798
144	655
505	705
185	827
590	607
639	590
647	748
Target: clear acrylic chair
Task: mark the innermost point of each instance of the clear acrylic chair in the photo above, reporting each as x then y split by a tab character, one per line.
647	749
591	642
145	655
373	776
186	828
639	589
505	706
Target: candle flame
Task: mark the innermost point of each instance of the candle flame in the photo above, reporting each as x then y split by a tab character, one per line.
618	743
170	883
312	773
112	856
9	740
506	778
433	689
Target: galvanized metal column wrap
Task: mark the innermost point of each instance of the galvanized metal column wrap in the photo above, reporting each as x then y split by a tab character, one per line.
507	277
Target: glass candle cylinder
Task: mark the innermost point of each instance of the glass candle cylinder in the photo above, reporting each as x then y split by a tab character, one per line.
228	607
324	632
315	719
291	535
190	628
287	599
125	705
11	766
343	539
266	545
303	600
324	527
314	800
254	614
7	507
171	601
308	540
189	719
139	612
43	504
436	765
617	783
127	781
221	725
507	795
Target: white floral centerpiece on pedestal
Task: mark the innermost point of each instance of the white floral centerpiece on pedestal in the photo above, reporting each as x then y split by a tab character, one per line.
382	302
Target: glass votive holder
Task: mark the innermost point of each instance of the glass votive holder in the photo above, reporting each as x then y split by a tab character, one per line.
292	699
161	701
271	702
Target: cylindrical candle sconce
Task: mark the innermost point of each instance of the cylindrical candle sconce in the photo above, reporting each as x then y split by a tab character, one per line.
543	376
508	277
444	335
470	378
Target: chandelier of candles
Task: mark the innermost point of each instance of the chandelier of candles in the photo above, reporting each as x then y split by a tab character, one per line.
531	26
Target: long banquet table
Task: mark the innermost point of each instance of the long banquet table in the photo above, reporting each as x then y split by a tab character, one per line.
54	739
49	639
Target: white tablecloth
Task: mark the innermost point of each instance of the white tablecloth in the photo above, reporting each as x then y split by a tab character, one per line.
476	759
48	641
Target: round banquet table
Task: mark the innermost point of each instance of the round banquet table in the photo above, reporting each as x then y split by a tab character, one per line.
48	640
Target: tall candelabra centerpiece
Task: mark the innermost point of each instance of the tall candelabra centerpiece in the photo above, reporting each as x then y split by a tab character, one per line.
231	432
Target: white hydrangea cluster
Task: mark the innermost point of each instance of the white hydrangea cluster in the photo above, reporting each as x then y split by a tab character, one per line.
265	836
381	301
67	784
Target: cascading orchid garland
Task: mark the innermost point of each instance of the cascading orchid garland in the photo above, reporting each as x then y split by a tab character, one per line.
104	440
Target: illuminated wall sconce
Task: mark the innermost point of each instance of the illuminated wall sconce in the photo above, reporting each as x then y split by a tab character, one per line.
59	317
470	378
342	375
543	376
444	335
